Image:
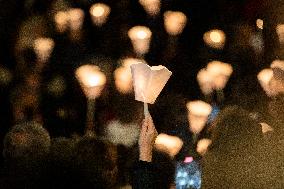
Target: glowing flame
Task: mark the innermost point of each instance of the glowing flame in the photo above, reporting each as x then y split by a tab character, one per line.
140	37
215	38
152	7
92	80
169	144
259	23
99	13
198	112
43	48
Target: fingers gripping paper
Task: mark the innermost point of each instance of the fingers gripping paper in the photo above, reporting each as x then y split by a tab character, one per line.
149	81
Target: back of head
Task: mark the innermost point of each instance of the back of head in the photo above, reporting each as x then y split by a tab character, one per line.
234	128
236	157
96	163
26	141
26	147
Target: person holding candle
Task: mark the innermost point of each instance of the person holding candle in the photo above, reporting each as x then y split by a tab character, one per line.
154	169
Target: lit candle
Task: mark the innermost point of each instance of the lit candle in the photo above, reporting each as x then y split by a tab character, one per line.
221	73
264	77
43	48
202	146
259	23
91	79
277	81
168	144
280	33
76	18
215	38
152	7
198	112
140	37
205	81
123	77
61	21
266	128
99	13
174	22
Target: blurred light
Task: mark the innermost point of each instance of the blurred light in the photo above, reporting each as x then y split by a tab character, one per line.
280	33
168	144
259	23
277	64
277	81
266	128
43	48
56	86
140	37
221	73
188	159
91	79
123	79
205	81
264	77
76	18
61	21
202	146
174	22
99	13
215	38
152	7
198	112
127	62
123	76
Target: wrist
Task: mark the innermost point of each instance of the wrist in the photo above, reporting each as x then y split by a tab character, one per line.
145	155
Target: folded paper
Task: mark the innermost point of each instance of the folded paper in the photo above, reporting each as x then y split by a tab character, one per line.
148	81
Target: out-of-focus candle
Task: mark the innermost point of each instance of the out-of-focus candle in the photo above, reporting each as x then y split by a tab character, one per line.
61	19
215	38
174	22
140	37
76	19
259	23
277	81
221	73
264	77
202	146
91	79
198	112
123	76
123	80
205	81
43	48
152	7
99	13
266	128
168	144
280	33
